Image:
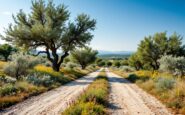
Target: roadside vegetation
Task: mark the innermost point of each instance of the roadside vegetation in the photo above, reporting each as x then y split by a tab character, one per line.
33	81
93	100
26	71
158	67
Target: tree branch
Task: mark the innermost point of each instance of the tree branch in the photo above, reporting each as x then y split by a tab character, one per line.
48	55
40	52
62	57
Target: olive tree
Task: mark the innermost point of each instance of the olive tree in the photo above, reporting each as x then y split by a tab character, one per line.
84	56
152	48
6	50
48	26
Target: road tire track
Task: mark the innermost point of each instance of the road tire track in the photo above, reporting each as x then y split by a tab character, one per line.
128	99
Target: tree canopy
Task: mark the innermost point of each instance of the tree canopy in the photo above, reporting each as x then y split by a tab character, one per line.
48	26
152	48
84	56
6	50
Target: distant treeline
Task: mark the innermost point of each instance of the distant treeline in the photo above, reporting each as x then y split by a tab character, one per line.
114	56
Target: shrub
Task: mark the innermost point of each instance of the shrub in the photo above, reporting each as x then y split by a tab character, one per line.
127	68
20	65
48	64
71	65
175	65
93	100
148	85
89	108
24	86
117	64
8	89
96	93
132	77
44	80
6	79
164	84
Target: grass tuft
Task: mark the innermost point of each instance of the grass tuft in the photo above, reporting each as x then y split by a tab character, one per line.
93	101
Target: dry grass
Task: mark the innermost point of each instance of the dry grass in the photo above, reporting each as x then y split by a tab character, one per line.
171	94
2	64
93	100
24	89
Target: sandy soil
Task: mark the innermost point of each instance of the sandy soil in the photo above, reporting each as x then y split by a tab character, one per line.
54	101
127	99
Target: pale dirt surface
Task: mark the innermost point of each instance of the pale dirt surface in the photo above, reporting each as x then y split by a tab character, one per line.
52	102
128	99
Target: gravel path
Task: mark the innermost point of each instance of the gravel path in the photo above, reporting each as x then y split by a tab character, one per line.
52	102
127	99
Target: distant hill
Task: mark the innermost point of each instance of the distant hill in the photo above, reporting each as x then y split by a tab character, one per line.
114	54
103	52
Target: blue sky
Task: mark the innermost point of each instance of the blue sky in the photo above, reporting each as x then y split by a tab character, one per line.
121	24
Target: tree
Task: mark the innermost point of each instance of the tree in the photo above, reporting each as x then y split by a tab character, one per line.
84	56
117	64
152	48
109	63
101	63
124	62
6	50
134	61
48	26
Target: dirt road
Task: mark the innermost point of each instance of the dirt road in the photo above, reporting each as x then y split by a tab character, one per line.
54	101
128	99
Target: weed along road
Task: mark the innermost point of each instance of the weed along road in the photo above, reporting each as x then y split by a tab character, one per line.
54	101
126	98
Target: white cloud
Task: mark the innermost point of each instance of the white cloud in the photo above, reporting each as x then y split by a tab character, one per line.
7	13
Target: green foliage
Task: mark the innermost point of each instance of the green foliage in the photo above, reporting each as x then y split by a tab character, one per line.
93	100
109	63
89	108
134	61
20	65
152	48
40	80
117	64
132	77
6	50
174	65
8	89
164	84
127	69
48	25
84	56
100	62
125	62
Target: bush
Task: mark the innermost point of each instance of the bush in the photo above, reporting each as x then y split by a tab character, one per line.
8	89
6	79
24	86
20	65
89	108
93	100
148	85
71	65
175	65
164	84
127	69
132	77
117	64
44	80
